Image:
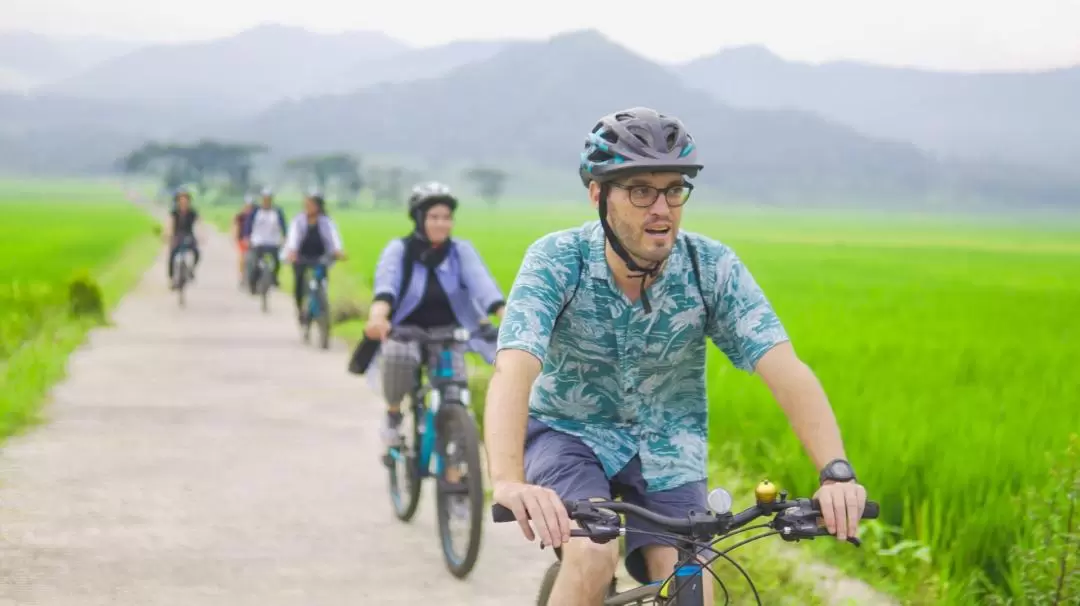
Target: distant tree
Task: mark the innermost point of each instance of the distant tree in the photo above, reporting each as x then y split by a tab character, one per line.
341	168
199	164
387	185
488	181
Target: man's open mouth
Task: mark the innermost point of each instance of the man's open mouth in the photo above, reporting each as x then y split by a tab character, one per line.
657	231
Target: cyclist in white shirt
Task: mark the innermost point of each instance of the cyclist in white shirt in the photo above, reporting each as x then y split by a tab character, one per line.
264	230
312	235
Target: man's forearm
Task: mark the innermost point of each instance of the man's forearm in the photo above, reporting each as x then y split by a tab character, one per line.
505	419
804	401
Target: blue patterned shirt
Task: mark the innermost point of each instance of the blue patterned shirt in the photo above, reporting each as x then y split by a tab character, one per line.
625	382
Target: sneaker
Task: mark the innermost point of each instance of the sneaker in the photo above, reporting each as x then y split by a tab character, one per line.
391	429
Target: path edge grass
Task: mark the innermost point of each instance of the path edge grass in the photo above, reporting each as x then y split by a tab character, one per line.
28	375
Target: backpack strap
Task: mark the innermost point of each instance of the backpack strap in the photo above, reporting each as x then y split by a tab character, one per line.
697	278
407	263
577	284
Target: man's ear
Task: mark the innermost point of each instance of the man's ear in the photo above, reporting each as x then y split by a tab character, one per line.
594	194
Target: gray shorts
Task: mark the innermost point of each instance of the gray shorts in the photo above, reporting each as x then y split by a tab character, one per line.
566	465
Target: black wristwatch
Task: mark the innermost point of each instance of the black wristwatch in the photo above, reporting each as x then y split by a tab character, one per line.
837	470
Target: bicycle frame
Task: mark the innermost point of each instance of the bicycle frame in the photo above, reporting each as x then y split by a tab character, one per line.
427	401
318	274
181	259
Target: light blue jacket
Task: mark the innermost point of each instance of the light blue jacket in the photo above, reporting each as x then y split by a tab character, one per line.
467	282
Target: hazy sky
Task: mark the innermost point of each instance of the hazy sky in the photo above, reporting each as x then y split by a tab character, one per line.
951	34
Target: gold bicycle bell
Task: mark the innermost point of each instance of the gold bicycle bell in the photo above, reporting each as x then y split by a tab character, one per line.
765	492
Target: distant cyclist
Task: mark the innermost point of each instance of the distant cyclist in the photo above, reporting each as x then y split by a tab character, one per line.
311	235
265	230
448	284
182	226
238	231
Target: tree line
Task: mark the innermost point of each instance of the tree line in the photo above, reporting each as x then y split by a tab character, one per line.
229	169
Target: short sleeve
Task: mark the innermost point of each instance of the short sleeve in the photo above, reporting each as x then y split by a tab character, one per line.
548	272
745	326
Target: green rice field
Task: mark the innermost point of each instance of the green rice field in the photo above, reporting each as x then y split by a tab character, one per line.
948	348
49	235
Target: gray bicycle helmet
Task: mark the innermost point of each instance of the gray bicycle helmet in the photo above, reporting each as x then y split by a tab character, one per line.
426	195
638	139
631	141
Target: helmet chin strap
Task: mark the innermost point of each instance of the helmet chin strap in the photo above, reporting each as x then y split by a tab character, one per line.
642	272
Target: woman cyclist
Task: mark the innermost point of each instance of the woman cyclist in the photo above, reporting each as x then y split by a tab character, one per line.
182	227
448	285
312	234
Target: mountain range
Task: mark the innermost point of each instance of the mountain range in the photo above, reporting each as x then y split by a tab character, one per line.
768	128
1028	118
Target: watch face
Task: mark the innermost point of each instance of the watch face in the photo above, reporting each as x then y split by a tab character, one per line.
840	470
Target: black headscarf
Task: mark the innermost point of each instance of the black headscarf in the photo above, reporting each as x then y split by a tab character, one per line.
419	247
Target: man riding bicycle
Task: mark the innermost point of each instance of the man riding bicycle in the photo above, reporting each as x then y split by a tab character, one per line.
447	284
182	226
599	382
311	235
264	231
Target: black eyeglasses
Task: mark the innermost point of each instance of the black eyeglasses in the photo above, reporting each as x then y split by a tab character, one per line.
644	196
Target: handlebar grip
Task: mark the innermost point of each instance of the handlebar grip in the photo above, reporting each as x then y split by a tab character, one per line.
501	514
870	512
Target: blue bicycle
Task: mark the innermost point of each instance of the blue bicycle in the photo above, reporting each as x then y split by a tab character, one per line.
442	442
315	306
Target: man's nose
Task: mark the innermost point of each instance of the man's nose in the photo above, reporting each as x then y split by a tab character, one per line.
660	208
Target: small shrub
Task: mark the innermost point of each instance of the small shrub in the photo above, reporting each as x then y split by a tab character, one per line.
1046	563
345	310
84	297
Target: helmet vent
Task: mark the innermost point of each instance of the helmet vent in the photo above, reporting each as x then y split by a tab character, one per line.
600	156
671	135
640	134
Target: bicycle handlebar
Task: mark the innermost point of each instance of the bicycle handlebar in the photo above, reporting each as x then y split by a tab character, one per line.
325	259
796	519
441	335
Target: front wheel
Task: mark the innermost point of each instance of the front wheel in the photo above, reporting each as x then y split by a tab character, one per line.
179	278
323	318
264	288
403	464
547	583
460	489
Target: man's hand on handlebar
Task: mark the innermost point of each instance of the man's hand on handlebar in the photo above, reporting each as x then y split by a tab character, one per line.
842	505
539	504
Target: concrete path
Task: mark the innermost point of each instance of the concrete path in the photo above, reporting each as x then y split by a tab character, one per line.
205	456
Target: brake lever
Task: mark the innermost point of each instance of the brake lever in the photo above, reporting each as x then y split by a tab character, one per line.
824	532
796	531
